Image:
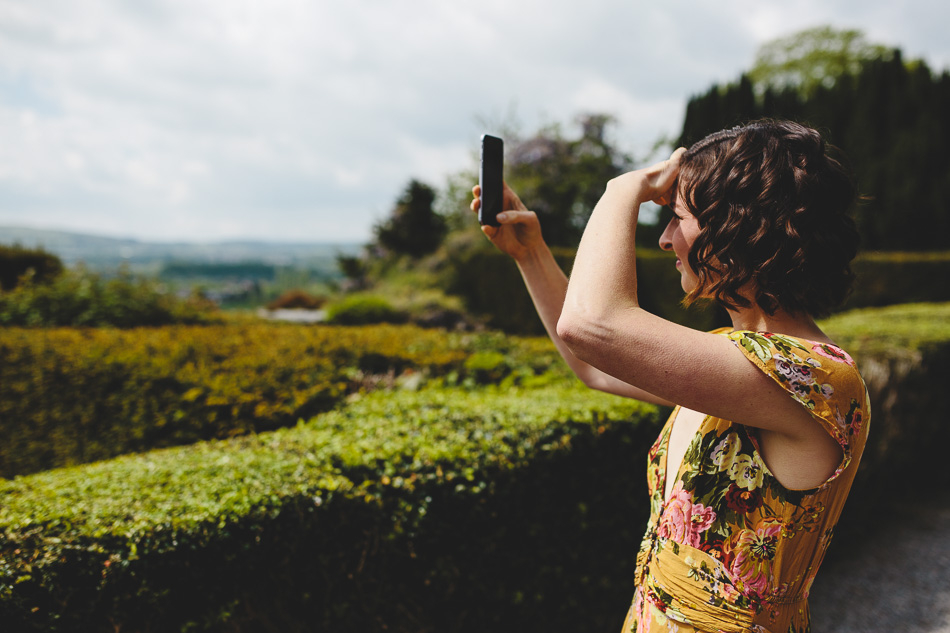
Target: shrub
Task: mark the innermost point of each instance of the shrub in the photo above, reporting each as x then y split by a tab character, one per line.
487	367
884	279
293	299
17	262
489	283
81	298
363	310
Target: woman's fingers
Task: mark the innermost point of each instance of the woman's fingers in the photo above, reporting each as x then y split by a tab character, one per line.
515	217
664	175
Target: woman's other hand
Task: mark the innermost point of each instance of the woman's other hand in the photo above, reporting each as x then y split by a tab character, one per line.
662	176
657	182
520	231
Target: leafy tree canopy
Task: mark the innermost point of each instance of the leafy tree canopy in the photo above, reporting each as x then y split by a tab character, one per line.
562	178
812	58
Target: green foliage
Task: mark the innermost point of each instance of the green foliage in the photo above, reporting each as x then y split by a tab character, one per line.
72	396
487	367
899	329
562	179
812	59
35	264
361	309
490	284
393	513
448	508
354	268
82	298
413	229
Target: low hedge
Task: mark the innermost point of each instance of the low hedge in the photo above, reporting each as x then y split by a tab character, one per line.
72	396
450	509
903	352
406	511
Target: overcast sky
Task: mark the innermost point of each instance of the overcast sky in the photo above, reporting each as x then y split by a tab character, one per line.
304	120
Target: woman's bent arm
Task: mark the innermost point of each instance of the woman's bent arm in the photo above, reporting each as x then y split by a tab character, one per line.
547	285
520	237
602	323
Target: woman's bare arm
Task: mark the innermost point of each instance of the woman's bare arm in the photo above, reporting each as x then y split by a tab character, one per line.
602	323
520	236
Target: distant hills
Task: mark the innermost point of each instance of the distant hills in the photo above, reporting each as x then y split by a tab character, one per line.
99	252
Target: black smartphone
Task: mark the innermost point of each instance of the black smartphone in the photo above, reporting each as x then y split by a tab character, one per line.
490	179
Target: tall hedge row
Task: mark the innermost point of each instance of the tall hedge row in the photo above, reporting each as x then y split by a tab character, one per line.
489	283
70	396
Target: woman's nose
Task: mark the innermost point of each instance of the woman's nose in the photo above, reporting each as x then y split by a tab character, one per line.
666	239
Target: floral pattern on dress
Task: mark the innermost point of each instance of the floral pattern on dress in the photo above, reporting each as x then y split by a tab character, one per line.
731	549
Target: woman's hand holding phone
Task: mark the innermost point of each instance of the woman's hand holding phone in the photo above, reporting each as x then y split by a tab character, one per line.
519	232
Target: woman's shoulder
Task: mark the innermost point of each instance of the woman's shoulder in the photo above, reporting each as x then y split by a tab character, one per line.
820	375
765	345
777	353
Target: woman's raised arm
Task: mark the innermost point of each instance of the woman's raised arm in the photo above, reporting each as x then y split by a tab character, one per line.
603	325
520	237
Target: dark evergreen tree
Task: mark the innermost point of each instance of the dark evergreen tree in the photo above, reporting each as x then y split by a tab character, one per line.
413	228
18	262
890	118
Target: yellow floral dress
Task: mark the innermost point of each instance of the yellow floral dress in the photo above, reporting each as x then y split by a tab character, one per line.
732	549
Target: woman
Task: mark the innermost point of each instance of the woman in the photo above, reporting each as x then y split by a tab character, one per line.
749	475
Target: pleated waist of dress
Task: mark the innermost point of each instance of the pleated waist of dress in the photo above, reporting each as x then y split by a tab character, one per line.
688	585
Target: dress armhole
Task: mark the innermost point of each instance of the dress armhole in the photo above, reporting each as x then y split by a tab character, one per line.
822	378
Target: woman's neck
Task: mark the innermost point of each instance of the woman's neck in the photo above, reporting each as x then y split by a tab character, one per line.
781	322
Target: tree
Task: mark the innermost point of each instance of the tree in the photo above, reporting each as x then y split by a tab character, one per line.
17	262
413	228
562	179
812	58
890	117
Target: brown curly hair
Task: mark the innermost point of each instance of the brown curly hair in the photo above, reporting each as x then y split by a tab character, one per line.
773	208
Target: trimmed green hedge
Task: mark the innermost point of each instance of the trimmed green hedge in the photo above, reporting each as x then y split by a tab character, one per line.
489	283
903	352
885	279
72	396
444	509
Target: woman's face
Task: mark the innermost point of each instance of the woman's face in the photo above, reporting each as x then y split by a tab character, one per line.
678	237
